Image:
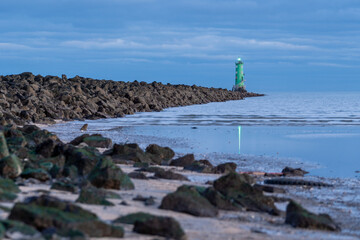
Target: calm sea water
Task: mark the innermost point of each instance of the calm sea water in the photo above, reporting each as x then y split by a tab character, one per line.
321	130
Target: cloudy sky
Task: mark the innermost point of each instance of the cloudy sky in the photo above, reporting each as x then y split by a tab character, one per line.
308	45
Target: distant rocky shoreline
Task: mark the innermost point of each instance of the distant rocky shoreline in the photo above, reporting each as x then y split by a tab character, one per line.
26	98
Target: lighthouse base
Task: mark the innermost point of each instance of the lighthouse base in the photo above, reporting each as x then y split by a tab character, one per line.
238	89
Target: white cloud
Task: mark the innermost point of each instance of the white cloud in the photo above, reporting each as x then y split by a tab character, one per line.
102	44
13	46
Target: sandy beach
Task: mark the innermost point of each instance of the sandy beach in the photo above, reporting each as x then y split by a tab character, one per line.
228	224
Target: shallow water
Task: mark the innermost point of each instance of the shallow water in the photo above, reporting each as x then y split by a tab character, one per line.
319	131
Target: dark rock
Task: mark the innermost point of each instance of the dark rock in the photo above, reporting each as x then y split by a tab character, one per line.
84	159
107	175
288	172
298	182
127	152
95	140
205	162
53	233
159	154
16	228
187	199
170	175
8	185
237	188
4	151
46	212
183	161
42	99
6	196
46	148
199	167
79	139
39	174
151	169
133	217
64	186
10	166
141	165
219	200
84	127
138	175
225	168
147	200
161	226
297	216
268	188
92	195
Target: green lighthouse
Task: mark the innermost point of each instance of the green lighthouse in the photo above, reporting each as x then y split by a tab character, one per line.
239	76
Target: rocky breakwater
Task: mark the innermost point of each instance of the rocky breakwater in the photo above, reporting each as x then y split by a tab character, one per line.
28	98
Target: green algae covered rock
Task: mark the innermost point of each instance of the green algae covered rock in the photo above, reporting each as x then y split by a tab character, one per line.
36	173
187	199
47	212
84	159
199	167
8	190
237	188
129	152
146	223
159	154
95	140
219	200
133	217
64	186
4	151
10	166
107	175
297	216
16	228
166	227
8	185
95	196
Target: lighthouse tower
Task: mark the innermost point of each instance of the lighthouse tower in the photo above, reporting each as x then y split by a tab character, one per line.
239	76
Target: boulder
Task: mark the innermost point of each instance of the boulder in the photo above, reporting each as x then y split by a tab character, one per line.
199	167
36	173
107	175
183	161
64	186
84	159
46	148
297	216
10	166
94	140
170	175
288	172
166	227
19	230
4	151
129	152
138	175
187	199
147	200
45	212
225	168
237	188
92	195
159	154
218	200
133	217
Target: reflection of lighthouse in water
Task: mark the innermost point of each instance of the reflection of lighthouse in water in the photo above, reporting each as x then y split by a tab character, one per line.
239	76
239	127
